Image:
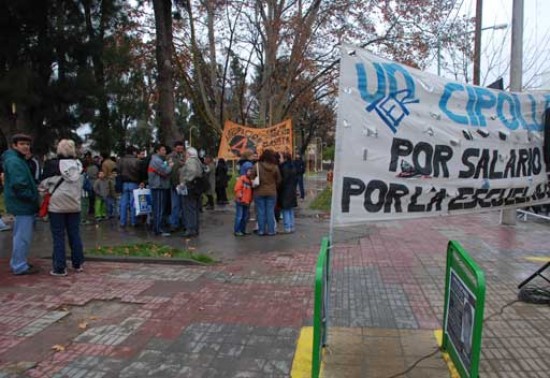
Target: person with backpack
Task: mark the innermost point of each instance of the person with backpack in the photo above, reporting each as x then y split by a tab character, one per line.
62	178
192	186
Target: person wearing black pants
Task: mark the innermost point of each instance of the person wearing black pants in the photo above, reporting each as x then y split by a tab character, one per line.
191	194
222	179
300	169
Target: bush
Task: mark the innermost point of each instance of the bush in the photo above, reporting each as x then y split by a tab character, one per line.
323	200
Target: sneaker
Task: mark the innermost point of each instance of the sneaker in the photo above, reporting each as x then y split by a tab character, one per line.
30	270
165	234
238	234
58	274
80	269
5	228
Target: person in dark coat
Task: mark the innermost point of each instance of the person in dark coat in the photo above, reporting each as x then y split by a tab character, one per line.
222	179
287	192
300	167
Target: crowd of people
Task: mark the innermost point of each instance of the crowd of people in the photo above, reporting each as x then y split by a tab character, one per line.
178	179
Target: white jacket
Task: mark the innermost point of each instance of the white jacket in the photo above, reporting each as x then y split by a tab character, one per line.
67	197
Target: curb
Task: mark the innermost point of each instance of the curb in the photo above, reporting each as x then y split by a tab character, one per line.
142	260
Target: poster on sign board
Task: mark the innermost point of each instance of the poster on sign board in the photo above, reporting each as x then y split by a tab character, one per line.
238	138
410	144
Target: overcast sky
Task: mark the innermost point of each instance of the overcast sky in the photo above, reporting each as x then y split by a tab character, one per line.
536	36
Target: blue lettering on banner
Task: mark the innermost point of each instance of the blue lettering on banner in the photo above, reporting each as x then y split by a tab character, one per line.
388	100
481	101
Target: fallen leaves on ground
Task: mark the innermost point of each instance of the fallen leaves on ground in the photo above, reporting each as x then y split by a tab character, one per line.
58	348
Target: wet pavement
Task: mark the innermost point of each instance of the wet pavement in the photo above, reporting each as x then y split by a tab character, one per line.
242	316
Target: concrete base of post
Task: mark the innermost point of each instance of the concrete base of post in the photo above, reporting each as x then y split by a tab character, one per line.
508	217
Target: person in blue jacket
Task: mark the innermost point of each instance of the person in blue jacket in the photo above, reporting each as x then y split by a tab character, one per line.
159	182
21	197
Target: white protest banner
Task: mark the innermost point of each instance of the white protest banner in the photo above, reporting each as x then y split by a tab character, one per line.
410	144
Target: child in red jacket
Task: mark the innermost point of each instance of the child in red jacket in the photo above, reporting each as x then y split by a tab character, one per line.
243	198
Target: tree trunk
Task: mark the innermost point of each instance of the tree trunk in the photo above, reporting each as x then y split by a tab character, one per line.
168	132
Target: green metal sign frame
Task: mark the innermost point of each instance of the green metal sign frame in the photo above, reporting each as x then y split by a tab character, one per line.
464	307
320	312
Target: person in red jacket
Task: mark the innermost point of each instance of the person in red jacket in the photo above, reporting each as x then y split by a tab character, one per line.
243	198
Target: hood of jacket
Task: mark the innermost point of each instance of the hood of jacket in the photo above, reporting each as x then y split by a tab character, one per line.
268	167
70	169
10	154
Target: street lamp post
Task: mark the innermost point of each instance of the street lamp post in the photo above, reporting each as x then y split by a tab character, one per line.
477	49
190	134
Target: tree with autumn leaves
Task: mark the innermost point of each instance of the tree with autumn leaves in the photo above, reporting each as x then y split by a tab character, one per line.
161	68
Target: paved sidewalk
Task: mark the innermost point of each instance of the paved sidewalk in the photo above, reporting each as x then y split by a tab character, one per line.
388	284
242	317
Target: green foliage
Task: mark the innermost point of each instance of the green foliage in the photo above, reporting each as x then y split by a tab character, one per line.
231	185
323	200
328	153
149	250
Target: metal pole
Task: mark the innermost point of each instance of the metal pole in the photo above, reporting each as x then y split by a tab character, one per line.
516	71
438	54
477	41
516	60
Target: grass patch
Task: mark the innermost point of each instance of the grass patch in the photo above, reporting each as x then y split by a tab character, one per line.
2	205
323	200
149	250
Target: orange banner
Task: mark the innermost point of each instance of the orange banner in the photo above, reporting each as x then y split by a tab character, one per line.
237	138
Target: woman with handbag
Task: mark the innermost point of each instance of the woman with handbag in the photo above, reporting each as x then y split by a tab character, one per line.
62	179
265	192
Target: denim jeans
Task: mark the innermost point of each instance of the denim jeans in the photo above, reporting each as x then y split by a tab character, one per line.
288	219
160	199
22	236
59	223
175	213
265	212
191	205
241	217
300	185
127	203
